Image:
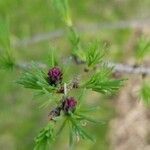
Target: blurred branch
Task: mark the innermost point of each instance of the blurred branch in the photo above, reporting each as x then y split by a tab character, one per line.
84	29
124	68
25	65
118	67
39	38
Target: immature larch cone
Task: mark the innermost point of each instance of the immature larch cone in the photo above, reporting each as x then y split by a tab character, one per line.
55	76
69	105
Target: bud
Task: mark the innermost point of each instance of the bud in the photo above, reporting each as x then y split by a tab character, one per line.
55	76
69	104
54	113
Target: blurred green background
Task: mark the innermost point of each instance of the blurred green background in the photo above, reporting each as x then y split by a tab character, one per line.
20	115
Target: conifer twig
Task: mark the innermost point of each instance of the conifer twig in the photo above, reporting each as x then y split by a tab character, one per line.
81	28
124	68
118	67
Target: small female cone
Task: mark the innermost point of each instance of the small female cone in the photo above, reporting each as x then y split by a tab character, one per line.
69	105
55	76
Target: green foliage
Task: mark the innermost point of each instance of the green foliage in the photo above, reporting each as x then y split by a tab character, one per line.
52	60
94	54
45	138
143	48
62	8
74	38
77	129
86	118
7	60
35	78
101	82
78	120
79	54
145	93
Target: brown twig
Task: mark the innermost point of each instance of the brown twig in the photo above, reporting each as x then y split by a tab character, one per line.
84	29
123	68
